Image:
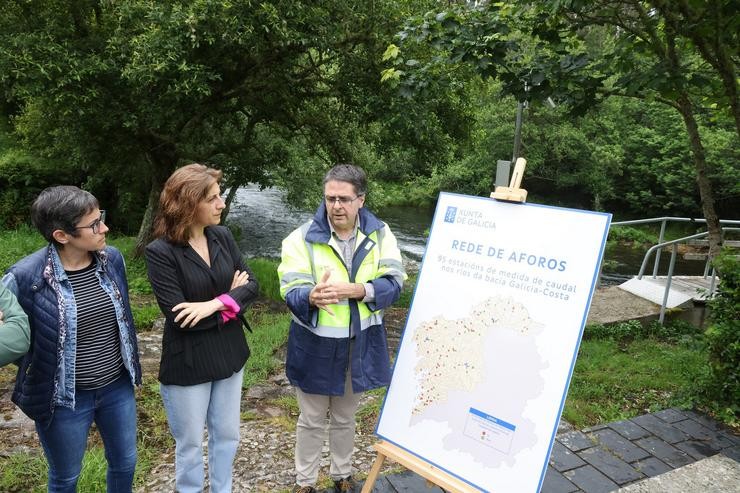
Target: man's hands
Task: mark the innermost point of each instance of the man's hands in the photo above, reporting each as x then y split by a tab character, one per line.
326	293
1	318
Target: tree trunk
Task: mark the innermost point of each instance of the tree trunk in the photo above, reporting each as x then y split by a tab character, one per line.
686	108
147	222
702	179
229	199
163	159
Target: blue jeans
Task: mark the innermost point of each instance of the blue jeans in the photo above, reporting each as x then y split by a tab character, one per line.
189	408
113	409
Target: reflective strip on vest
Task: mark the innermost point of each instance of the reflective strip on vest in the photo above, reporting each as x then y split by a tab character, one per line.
375	318
290	278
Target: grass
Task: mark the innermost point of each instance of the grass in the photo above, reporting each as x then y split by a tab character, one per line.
614	380
269	332
265	270
407	293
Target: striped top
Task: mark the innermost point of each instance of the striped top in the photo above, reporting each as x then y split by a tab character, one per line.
98	361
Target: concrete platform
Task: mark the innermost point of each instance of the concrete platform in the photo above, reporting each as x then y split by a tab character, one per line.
717	474
611	304
683	289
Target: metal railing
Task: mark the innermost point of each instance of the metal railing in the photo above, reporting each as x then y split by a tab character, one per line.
657	249
665	220
669	277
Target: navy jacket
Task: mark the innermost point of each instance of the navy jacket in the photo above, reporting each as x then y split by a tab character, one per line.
317	364
38	282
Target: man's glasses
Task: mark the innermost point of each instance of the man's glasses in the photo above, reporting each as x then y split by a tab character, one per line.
330	200
95	225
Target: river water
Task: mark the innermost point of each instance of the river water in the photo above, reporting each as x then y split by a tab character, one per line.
264	219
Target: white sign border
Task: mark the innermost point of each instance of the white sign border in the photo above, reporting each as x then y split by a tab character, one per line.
575	352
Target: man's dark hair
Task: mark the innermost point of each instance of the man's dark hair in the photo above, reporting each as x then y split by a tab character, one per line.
62	208
351	174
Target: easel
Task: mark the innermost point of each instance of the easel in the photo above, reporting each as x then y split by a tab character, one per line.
432	474
513	193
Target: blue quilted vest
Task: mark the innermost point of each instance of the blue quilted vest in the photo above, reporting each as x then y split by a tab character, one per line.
36	386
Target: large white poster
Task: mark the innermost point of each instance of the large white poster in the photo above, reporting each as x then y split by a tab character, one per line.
491	338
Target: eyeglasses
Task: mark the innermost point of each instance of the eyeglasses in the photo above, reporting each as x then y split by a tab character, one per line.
330	200
95	225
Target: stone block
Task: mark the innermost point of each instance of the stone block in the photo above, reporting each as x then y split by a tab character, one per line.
732	452
670	415
563	459
609	464
660	428
619	445
590	480
697	449
629	430
665	451
703	419
652	466
695	429
556	483
576	440
409	482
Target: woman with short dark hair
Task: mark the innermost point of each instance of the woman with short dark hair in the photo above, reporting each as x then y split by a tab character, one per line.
83	361
203	287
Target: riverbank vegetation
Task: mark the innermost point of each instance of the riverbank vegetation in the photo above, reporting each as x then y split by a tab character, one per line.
120	93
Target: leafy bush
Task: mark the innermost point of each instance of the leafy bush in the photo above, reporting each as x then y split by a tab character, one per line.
677	331
721	386
22	177
627	234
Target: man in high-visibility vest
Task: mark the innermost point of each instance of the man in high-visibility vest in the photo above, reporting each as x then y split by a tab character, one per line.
338	272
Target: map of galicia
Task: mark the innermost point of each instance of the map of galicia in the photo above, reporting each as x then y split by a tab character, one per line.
463	368
491	340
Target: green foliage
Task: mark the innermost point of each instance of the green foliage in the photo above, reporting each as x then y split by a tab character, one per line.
270	331
615	380
27	473
265	271
636	237
17	243
145	314
721	386
23	176
407	293
272	92
23	472
289	403
673	332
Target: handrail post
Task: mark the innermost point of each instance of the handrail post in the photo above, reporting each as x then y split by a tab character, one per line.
712	283
674	250
657	254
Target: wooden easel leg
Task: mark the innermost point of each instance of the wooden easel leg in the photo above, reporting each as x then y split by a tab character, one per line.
373	476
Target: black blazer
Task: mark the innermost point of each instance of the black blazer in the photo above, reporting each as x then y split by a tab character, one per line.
212	349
